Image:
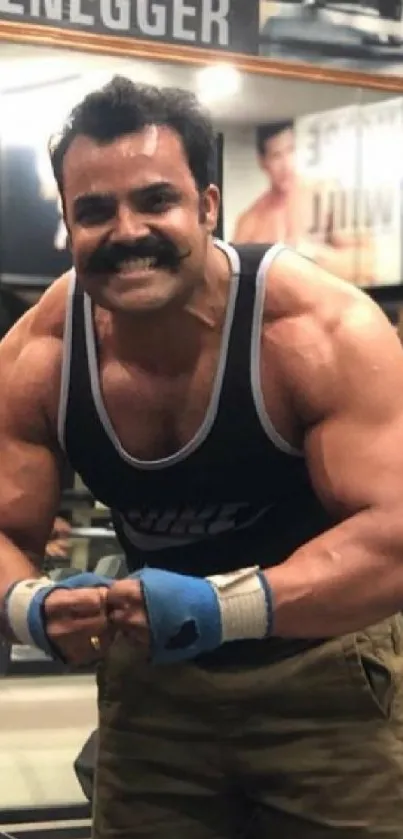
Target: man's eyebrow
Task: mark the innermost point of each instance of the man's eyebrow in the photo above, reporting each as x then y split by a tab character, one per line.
93	198
142	191
158	186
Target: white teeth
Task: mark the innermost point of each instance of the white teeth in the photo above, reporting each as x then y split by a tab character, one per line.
137	264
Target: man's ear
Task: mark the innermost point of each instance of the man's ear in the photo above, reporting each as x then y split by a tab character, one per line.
210	201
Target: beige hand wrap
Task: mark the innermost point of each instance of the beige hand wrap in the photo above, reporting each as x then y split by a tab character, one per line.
243	604
17	607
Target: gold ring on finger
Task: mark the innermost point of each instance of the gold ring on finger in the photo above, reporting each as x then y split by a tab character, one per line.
95	643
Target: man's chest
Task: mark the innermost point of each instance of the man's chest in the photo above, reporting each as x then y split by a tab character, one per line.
286	221
155	415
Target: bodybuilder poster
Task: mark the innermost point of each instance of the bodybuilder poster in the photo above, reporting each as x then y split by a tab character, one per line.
331	187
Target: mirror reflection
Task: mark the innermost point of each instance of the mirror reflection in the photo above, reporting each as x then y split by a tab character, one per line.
307	151
314	166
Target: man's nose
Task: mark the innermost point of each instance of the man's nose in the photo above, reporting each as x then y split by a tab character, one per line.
129	224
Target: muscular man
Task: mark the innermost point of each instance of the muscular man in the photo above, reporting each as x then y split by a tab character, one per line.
241	411
285	213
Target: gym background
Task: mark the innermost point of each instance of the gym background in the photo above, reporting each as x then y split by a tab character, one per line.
337	149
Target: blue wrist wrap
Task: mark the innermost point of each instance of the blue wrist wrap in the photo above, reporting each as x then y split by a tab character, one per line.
36	616
183	613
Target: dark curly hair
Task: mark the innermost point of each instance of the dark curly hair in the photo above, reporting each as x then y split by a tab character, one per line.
122	107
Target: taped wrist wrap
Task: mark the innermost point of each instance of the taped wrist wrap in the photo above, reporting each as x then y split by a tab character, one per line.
17	604
24	606
245	602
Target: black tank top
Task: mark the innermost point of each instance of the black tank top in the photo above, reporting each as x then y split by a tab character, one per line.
235	495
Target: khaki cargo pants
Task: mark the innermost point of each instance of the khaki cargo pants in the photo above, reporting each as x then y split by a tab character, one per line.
311	746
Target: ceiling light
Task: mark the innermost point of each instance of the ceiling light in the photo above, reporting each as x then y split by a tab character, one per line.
217	81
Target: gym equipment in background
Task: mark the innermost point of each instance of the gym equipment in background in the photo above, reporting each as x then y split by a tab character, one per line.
335	32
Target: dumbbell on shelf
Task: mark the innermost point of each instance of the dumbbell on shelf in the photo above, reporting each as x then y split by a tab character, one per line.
92	533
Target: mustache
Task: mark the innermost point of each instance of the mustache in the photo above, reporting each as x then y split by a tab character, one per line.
108	257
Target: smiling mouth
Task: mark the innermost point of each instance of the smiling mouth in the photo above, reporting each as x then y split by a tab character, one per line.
135	266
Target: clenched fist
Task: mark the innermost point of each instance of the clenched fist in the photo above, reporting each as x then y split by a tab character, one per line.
76	623
127	613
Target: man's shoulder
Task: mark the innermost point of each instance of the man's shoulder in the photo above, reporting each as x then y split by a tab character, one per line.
310	316
320	331
31	352
247	220
297	286
260	204
47	317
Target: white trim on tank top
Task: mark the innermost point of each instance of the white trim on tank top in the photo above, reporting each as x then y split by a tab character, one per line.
66	363
211	413
255	353
210	416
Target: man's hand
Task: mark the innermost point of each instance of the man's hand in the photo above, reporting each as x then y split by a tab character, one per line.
77	625
59	542
174	617
168	617
127	612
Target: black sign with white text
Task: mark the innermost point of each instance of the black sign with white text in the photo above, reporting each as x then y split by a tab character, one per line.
230	25
365	35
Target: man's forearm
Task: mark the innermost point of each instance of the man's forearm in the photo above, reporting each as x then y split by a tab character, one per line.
345	580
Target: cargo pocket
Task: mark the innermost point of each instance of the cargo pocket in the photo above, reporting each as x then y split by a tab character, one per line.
369	657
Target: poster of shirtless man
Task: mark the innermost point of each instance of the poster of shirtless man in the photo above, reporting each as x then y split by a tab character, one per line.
324	196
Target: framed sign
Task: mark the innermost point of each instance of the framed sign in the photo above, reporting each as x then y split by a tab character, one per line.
222	25
357	43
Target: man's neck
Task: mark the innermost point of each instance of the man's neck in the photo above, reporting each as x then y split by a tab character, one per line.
278	197
175	335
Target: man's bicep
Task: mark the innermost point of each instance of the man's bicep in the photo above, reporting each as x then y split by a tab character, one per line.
30	463
354	466
29	491
355	451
